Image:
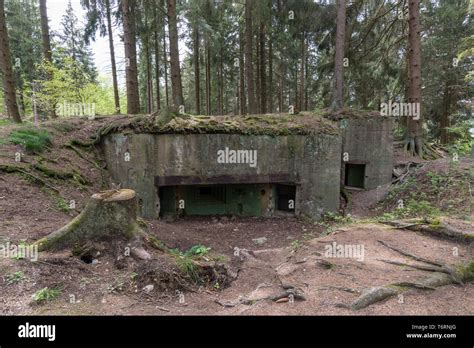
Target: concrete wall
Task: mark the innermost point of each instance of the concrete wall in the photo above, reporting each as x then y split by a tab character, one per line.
310	162
369	141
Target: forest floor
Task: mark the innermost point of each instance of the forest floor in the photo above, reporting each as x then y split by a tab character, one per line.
293	253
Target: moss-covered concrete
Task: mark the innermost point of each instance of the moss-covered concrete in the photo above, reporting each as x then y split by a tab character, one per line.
311	162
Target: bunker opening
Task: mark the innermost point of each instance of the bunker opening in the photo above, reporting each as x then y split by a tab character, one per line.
354	175
243	199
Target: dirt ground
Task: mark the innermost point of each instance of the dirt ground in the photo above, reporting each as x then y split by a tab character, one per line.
293	253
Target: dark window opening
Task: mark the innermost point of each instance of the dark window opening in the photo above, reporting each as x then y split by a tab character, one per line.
286	195
354	175
210	194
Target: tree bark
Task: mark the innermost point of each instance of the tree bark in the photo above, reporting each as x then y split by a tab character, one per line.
338	99
6	67
208	78
157	60
45	31
252	109
414	126
108	216
112	56
165	63
270	75
197	72
133	101
263	85
176	85
302	71
242	98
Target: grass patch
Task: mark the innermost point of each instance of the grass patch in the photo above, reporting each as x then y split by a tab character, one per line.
45	295
34	140
15	277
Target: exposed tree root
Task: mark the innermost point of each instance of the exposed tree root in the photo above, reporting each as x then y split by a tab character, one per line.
437	228
16	169
441	275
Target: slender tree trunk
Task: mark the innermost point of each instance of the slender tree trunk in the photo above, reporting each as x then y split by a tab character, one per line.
46	43
165	64
338	99
6	67
252	109
302	71
133	101
444	122
263	71
270	75
415	131
176	85
242	98
280	89
45	31
258	81
306	77
222	85
208	78
157	60
112	56
197	73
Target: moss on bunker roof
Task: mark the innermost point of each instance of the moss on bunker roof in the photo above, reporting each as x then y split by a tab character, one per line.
352	113
304	123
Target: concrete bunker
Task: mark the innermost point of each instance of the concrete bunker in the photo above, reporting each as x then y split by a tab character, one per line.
367	150
247	166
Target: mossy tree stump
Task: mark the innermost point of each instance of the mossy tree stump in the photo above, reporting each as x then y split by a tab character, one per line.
108	216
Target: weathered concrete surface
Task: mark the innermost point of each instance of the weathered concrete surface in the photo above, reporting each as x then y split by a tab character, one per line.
312	162
369	141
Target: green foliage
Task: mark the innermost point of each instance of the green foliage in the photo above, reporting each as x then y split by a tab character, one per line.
34	140
296	244
45	295
198	250
417	208
463	141
15	277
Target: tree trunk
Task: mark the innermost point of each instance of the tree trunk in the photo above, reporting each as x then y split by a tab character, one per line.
112	56
208	78
302	71
338	99
165	64
242	98
414	128
270	75
252	109
258	81
263	85
45	31
157	60
108	216
133	101
444	122
197	72
6	67
176	86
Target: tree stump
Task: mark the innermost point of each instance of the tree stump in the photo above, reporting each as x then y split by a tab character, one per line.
109	216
